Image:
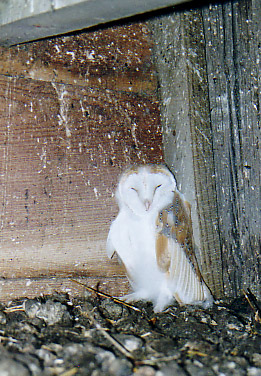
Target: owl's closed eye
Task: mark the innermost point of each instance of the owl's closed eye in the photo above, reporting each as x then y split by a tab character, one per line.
152	235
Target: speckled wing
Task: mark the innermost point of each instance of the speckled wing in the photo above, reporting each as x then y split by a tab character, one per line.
175	253
182	230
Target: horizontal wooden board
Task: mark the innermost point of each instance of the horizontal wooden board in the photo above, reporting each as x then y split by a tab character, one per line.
208	64
14	288
22	21
62	148
117	58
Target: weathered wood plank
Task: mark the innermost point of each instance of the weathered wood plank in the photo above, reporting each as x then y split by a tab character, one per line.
208	62
22	21
232	36
62	148
202	149
187	130
117	58
13	288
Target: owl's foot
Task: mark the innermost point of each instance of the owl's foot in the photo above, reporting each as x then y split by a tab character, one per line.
163	301
134	297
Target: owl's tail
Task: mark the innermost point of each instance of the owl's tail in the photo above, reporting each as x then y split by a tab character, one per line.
186	285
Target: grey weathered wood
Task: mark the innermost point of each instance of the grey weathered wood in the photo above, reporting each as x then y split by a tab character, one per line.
232	37
22	21
208	72
187	139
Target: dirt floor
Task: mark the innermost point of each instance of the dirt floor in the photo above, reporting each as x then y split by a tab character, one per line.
56	335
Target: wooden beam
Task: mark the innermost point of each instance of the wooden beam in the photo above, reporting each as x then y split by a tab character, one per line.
14	288
116	58
62	148
208	66
232	41
68	127
22	21
186	130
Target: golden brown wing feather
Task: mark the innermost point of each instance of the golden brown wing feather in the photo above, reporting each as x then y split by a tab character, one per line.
162	253
182	230
175	251
162	244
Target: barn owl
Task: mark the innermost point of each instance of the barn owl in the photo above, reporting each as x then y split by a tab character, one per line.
152	236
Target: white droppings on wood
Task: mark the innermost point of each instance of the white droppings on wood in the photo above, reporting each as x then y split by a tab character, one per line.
71	53
57	48
80	147
64	105
43	156
133	134
90	54
28	282
95	190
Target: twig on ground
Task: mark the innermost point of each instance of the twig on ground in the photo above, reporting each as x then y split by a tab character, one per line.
70	372
104	332
103	294
14	308
252	300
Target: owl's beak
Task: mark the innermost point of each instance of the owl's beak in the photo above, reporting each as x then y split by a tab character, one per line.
147	204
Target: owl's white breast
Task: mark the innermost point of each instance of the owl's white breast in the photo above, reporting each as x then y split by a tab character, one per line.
133	238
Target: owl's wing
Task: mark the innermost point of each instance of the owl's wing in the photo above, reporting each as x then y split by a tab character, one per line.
182	230
111	245
110	248
175	253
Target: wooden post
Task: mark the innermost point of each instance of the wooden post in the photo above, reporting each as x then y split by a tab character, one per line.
207	67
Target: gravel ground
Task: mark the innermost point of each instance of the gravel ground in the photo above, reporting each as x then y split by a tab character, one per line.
56	335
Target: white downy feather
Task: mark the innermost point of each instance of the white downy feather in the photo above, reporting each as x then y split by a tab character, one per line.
142	193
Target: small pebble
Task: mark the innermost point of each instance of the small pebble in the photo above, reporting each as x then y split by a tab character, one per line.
253	371
50	312
9	367
2	318
53	337
145	371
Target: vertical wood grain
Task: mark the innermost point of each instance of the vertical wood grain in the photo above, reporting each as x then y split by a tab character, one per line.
232	39
208	72
187	130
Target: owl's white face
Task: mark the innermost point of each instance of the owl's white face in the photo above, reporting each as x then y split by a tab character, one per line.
146	189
